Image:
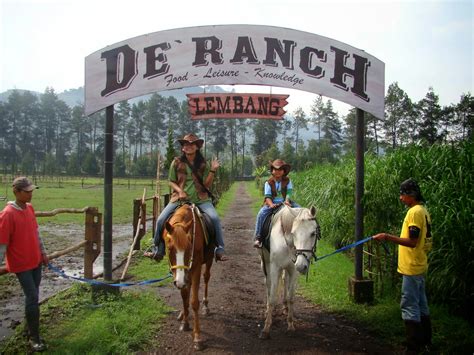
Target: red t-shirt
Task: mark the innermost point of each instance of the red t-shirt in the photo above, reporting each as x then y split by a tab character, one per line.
19	231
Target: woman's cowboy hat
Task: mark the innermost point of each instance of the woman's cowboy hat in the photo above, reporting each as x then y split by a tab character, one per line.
191	138
280	164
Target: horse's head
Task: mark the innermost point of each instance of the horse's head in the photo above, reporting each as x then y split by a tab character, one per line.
179	241
306	233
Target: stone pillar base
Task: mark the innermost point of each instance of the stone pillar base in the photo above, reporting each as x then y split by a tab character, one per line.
361	291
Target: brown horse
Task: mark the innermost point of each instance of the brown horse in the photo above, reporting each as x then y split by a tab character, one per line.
187	252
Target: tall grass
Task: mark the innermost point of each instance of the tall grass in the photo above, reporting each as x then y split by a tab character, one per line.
446	177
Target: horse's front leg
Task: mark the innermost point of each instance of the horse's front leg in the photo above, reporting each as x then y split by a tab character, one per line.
205	300
197	341
290	288
272	288
184	314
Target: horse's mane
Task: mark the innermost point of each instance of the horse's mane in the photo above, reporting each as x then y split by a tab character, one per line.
289	216
179	238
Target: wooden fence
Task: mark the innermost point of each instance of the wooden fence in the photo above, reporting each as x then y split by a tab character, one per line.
91	242
140	215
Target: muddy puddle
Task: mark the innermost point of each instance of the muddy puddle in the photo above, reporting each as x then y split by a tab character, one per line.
55	238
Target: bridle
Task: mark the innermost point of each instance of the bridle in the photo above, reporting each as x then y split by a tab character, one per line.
317	234
193	236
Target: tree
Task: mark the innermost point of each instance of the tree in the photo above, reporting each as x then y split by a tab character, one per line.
465	114
121	122
332	130
288	153
90	165
398	116
316	115
300	121
136	128
218	134
184	124
430	118
80	131
73	165
154	120
265	133
170	151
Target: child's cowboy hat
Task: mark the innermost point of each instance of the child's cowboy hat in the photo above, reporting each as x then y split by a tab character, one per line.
280	164
191	138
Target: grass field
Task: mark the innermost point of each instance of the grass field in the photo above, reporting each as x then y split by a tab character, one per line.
74	323
79	193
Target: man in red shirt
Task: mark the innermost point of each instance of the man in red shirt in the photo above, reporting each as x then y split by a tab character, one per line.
21	244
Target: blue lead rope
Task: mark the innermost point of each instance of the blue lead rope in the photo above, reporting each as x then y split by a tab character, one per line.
344	248
95	282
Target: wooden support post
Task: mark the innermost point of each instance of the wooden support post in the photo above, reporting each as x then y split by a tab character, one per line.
93	232
142	226
136	215
135	238
156	212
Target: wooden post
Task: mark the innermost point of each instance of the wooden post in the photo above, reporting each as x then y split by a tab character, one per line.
136	215
156	211
93	232
132	248
142	225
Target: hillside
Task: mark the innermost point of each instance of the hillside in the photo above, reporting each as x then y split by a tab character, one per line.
74	97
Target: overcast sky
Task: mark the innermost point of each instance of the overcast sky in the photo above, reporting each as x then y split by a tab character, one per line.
422	43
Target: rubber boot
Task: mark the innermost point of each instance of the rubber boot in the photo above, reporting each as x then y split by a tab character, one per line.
414	337
426	330
32	320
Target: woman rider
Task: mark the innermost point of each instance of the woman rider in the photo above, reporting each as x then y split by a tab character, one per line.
193	187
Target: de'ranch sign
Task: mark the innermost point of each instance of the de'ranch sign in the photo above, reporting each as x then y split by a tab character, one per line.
233	55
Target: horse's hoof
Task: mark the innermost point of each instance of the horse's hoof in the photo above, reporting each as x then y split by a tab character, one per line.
205	311
184	327
291	329
199	346
264	335
180	316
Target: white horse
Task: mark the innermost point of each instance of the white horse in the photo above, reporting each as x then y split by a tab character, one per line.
293	238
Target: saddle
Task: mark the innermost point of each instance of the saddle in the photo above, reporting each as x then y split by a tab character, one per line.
267	227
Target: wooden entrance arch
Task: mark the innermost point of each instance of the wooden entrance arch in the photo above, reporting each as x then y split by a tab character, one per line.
232	55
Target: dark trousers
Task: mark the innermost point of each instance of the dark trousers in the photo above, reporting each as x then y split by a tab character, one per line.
30	281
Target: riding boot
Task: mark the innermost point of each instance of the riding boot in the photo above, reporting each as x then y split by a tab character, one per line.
414	337
33	320
426	330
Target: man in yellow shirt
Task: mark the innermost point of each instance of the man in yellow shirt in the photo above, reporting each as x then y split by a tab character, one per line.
414	243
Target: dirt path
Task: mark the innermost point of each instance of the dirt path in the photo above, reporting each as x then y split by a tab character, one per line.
237	304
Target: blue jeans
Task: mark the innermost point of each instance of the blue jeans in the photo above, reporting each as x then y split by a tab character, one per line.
30	281
414	303
262	215
206	208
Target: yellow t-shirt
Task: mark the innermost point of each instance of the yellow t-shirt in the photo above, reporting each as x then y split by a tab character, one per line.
414	261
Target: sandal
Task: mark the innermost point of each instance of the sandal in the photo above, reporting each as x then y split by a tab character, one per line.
221	257
154	256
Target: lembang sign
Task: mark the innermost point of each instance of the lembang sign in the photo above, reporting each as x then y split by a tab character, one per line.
264	106
232	55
